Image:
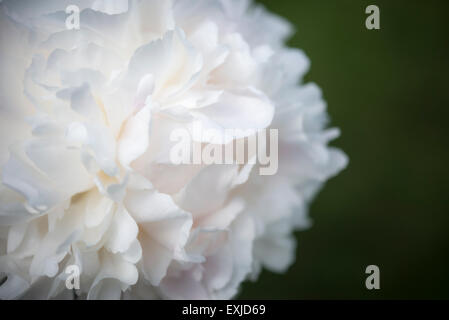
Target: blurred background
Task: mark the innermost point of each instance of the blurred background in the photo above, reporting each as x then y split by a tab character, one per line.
388	91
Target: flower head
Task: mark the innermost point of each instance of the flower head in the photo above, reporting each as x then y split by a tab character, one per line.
86	120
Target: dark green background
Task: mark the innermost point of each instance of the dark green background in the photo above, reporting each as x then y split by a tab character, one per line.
387	90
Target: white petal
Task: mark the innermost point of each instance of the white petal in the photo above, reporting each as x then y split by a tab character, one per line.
98	207
155	259
218	269
172	61
184	287
110	6
135	137
15	236
224	217
276	253
116	275
13	287
12	208
122	233
245	110
208	190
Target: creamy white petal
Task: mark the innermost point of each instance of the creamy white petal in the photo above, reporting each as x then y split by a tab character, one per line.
123	231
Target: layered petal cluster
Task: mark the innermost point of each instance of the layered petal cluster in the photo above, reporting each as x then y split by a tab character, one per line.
85	121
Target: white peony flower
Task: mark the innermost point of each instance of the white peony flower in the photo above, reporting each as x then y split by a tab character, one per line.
86	176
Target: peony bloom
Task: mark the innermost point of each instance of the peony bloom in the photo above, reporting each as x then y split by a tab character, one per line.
86	177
